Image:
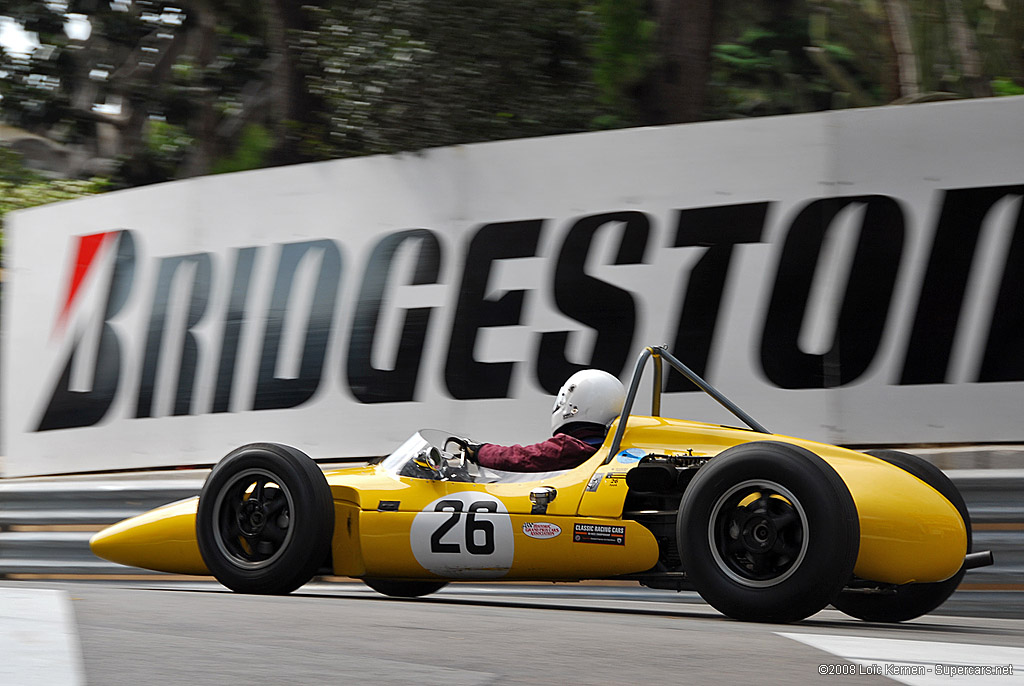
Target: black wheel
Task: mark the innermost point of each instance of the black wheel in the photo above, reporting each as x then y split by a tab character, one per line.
768	532
265	519
404	589
909	600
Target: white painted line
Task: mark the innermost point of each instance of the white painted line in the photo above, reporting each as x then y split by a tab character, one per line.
38	639
919	663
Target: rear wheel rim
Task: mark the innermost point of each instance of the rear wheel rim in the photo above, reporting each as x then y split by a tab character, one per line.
758	533
253	519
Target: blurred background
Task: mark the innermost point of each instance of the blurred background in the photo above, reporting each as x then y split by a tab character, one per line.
100	95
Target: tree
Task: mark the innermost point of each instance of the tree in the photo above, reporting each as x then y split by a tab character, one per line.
676	90
781	59
162	90
959	47
21	188
624	58
408	74
157	90
807	55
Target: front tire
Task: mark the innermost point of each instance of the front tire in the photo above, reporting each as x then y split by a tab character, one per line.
265	519
909	600
404	589
768	532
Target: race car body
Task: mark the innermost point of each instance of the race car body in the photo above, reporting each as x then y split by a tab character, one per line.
766	527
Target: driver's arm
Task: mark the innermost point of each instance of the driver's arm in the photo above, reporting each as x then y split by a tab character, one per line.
556	453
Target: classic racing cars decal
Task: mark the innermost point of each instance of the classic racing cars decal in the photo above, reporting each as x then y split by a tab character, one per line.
599	533
467	535
541	530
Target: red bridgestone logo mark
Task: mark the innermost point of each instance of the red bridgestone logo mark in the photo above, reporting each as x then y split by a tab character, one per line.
88	248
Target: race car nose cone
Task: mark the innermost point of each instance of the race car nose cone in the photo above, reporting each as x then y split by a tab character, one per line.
162	539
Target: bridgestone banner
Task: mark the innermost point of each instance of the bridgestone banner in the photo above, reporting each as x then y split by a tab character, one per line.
853	276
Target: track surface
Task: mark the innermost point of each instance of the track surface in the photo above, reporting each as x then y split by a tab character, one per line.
198	633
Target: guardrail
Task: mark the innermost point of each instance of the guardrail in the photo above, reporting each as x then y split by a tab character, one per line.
45	523
995	499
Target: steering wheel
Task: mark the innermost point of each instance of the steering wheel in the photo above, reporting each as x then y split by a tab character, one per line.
463	452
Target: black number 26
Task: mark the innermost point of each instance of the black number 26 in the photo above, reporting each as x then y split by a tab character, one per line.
473	525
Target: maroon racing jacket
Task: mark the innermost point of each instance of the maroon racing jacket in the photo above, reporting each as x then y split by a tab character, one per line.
561	451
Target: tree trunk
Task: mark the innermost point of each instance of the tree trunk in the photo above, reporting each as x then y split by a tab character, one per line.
280	82
677	90
289	97
903	47
203	125
966	50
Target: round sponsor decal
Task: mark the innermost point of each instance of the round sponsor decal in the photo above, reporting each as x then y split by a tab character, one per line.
464	535
541	530
630	456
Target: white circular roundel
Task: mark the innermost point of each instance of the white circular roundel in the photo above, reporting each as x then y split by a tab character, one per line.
464	535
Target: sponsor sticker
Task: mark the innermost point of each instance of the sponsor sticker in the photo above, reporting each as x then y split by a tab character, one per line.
599	533
630	456
615	478
541	530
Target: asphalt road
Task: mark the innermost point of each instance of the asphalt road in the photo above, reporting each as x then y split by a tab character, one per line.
198	633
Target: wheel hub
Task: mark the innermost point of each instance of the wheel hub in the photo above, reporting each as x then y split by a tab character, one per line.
757	530
252	517
759	534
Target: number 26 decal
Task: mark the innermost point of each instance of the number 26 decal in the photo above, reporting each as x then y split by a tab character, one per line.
479	532
464	535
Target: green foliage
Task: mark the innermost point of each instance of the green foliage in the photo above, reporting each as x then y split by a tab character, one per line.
171	72
623	55
400	75
251	152
224	85
1006	87
167	140
20	188
217	86
774	65
759	74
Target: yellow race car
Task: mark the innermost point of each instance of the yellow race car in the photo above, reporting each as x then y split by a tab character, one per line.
765	527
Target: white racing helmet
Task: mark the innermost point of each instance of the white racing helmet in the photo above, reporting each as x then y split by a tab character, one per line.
590	395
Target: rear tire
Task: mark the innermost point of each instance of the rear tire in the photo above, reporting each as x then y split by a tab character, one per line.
909	600
768	532
404	589
265	519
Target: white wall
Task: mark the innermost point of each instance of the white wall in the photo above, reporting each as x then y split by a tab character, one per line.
912	358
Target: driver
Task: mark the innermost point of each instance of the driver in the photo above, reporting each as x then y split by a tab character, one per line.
586	405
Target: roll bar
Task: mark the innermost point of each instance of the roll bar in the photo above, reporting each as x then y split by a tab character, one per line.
657	353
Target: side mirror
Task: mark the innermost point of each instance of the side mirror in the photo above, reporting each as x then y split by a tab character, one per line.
430	460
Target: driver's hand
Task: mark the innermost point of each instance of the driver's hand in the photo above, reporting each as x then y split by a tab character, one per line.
467	449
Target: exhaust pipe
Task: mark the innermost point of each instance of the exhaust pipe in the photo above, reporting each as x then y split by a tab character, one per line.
975	560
